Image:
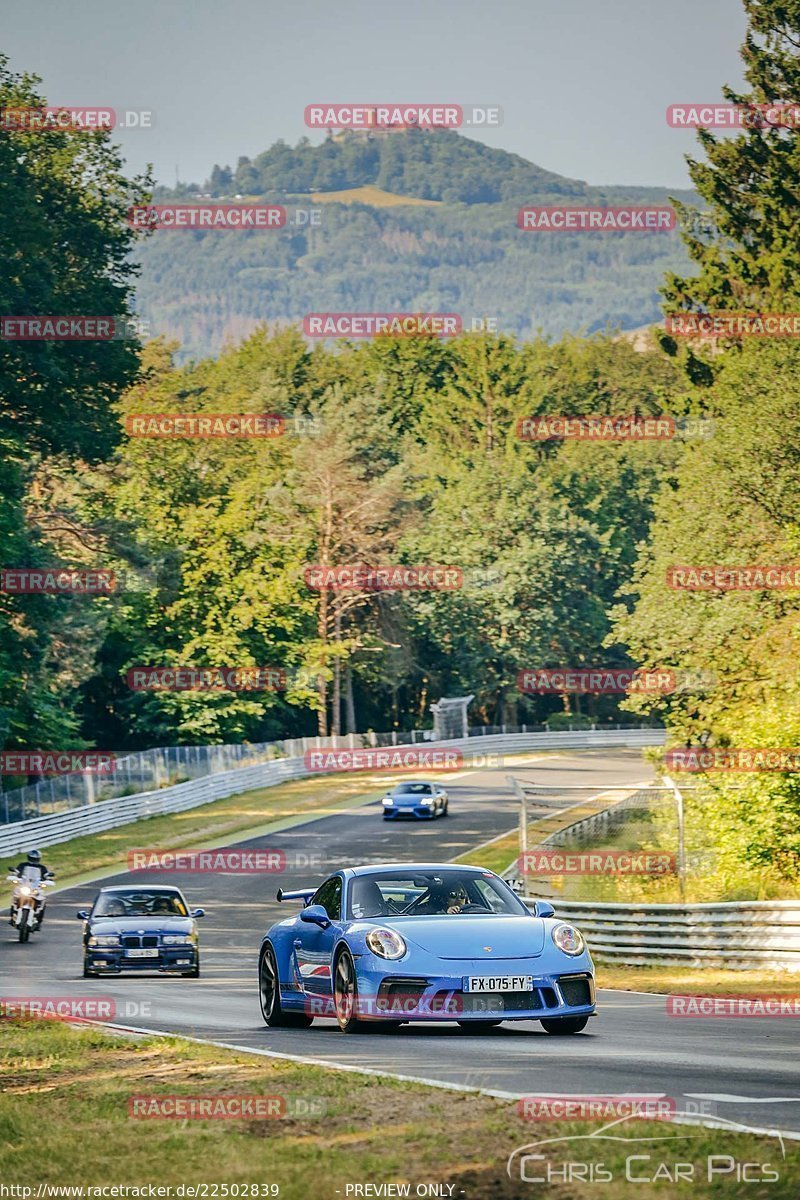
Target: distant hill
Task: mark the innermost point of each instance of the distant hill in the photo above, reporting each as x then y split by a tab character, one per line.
378	248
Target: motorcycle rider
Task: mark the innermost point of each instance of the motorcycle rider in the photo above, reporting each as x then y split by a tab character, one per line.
33	871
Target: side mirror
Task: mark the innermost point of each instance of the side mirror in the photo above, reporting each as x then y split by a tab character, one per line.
315	915
197	912
544	909
83	914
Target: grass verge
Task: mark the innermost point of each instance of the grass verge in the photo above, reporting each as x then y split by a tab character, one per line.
64	1120
708	982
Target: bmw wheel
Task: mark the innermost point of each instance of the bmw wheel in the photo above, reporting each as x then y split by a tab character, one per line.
562	1025
269	995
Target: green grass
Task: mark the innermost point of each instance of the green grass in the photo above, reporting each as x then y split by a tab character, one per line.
707	982
64	1120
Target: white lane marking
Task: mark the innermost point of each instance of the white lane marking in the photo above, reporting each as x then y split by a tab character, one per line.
629	992
335	1065
726	1098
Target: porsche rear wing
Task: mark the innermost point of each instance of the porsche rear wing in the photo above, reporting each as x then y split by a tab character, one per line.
303	894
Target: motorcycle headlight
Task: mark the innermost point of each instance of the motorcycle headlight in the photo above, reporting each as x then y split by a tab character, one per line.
177	939
104	939
386	943
569	939
25	891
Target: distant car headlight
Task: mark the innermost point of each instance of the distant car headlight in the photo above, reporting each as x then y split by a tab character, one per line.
104	939
569	939
386	943
177	939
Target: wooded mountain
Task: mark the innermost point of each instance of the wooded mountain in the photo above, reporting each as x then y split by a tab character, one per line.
458	251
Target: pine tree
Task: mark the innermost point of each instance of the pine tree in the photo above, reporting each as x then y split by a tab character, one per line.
750	182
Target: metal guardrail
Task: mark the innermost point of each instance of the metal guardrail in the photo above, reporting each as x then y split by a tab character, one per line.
109	814
737	935
165	766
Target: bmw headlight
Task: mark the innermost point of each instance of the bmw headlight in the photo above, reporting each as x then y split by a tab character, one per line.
569	939
104	939
386	943
177	939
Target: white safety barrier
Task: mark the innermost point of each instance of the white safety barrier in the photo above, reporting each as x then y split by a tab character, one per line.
737	935
109	814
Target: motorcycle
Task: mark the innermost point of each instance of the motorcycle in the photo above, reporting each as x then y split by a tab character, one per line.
27	904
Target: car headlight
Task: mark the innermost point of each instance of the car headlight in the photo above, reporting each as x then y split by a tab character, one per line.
569	939
388	800
386	943
426	803
177	939
104	939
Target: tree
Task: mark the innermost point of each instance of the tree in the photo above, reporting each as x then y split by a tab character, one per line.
750	183
65	253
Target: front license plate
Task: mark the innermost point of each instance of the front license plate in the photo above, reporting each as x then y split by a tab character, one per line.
148	953
498	983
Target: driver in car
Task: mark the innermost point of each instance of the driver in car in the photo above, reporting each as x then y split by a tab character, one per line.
444	898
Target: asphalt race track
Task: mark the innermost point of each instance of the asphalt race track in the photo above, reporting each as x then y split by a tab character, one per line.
743	1070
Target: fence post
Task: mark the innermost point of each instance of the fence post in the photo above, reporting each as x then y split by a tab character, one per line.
523	818
681	837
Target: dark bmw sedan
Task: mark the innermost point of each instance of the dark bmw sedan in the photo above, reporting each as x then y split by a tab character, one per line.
140	929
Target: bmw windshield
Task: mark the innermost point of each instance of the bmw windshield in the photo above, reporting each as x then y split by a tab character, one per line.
139	903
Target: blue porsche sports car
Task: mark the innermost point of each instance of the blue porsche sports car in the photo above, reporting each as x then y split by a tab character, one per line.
415	798
140	929
407	942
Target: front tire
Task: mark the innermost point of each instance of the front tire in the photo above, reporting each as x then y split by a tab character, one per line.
195	971
345	994
269	996
564	1025
24	927
87	974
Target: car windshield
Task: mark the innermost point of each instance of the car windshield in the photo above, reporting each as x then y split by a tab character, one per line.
139	904
413	789
430	893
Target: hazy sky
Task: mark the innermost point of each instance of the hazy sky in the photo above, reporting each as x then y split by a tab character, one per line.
583	85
